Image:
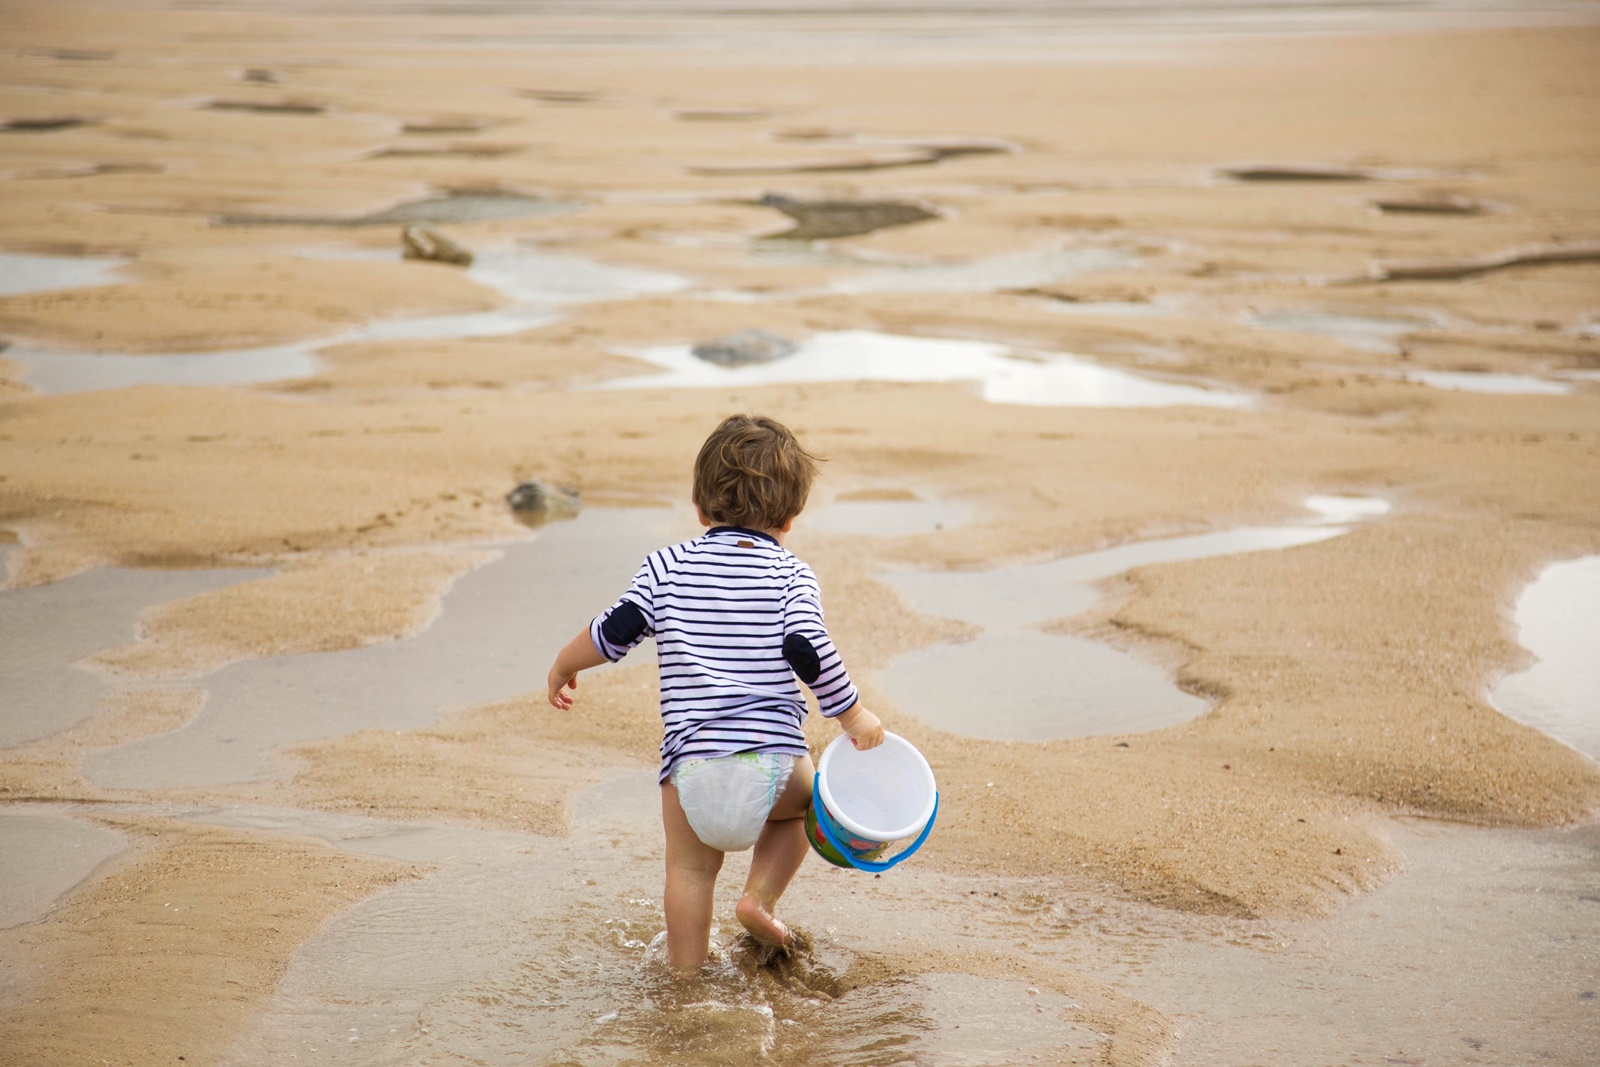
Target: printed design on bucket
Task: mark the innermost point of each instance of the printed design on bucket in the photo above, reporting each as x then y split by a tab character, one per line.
863	802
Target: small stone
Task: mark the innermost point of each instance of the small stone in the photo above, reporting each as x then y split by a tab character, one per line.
746	346
419	242
821	219
538	502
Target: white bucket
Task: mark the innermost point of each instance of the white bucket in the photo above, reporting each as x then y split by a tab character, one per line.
877	797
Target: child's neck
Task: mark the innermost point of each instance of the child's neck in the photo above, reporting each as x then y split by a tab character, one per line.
776	534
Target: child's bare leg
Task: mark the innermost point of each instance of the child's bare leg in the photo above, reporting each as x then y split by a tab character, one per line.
779	851
692	867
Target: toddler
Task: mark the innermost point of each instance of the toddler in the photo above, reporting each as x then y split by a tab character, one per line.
737	619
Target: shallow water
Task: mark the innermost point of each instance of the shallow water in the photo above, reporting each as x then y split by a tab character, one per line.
43	854
46	629
538	284
1002	375
455	207
1367	332
494	639
1015	270
22	273
1013	682
1558	620
517	949
1474	382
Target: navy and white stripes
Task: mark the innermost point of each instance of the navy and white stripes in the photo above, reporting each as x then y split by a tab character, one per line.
723	608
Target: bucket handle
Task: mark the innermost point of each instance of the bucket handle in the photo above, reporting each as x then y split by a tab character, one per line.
824	824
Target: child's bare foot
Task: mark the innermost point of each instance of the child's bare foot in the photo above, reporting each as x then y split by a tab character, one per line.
758	921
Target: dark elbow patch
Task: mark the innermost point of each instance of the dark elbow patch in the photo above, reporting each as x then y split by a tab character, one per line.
802	657
624	625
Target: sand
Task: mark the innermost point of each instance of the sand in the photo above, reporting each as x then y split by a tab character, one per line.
1349	677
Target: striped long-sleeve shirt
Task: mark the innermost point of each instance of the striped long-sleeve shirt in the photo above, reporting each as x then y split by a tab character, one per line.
737	619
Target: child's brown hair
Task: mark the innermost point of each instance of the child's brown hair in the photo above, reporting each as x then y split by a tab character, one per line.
752	472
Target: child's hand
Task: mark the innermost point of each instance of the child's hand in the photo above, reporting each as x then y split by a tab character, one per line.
862	727
560	684
578	655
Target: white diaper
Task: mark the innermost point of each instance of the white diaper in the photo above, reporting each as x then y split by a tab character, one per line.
729	798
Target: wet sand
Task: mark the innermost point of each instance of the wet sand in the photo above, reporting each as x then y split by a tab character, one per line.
325	754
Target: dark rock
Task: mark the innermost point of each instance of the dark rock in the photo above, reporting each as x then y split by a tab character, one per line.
78	55
443	126
720	114
270	107
561	96
744	347
463	149
820	219
419	242
1434	204
1408	270
43	124
539	502
1298	172
905	157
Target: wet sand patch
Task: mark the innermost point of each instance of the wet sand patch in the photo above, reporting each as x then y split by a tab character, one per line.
312	605
210	950
48	630
582	976
1015	682
484	646
234	302
43	854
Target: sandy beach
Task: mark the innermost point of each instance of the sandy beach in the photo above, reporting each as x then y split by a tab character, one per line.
1202	397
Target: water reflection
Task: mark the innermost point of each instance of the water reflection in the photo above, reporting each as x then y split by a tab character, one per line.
1003	375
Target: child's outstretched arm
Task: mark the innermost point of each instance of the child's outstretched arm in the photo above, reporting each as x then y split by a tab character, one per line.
579	654
861	726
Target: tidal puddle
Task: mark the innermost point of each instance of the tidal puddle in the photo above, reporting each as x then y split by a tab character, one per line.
1003	375
517	949
1367	332
486	205
498	630
1474	382
21	273
1558	620
1014	270
1135	309
43	854
884	513
46	629
1015	682
73	372
538	284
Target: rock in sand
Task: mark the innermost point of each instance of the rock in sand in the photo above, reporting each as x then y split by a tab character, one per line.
537	502
744	347
820	219
419	242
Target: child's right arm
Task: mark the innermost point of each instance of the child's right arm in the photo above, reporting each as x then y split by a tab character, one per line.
861	726
579	654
